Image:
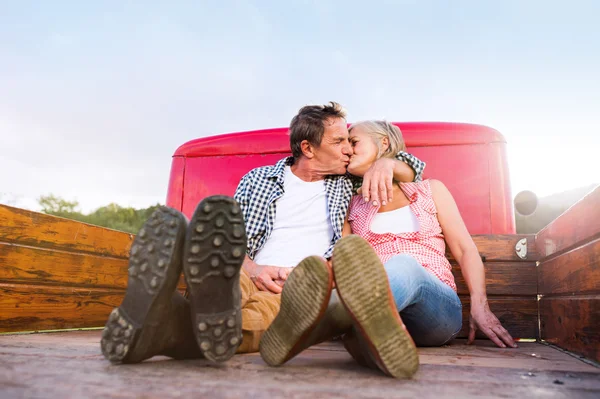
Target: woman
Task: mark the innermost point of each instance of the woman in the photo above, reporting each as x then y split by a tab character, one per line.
393	284
408	235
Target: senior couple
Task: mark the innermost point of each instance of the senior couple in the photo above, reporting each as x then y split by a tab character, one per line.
296	259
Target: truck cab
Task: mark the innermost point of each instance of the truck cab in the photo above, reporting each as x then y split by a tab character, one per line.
470	160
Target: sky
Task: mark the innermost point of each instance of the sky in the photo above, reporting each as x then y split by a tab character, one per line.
95	97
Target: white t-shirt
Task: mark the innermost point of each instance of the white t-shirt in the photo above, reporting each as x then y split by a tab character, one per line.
302	225
401	220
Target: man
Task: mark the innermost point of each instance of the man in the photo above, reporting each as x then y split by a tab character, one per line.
296	208
291	210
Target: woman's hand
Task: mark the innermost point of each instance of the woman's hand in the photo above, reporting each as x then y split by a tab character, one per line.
483	319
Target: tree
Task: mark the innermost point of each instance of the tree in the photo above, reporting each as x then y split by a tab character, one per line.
112	216
57	206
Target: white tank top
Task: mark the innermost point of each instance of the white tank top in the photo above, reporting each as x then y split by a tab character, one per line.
302	225
401	220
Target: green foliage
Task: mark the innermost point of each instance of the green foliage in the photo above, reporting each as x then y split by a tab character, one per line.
53	205
112	216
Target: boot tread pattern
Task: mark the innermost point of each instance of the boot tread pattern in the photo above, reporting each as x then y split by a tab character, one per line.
117	337
210	230
151	274
152	249
363	286
304	294
214	253
218	334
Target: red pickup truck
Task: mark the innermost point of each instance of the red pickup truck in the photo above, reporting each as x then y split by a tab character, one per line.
469	159
59	274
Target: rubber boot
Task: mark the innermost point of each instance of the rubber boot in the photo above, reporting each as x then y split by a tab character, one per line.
358	349
148	321
215	247
364	289
181	342
310	313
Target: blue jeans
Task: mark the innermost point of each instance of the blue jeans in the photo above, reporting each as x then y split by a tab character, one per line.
430	309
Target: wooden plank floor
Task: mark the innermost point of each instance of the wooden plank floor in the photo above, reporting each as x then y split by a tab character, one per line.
70	365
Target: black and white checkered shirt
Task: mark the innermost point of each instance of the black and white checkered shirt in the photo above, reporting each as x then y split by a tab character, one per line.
260	189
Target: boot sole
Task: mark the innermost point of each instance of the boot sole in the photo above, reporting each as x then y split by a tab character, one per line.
304	300
213	255
154	270
363	287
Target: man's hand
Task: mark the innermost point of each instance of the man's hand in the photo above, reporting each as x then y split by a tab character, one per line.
378	182
270	278
483	319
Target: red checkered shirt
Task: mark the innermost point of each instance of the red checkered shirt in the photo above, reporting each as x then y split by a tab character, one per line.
427	245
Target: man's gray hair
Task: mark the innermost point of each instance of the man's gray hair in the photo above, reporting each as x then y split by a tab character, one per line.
309	124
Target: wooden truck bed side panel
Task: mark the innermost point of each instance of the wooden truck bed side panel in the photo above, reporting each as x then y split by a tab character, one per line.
57	273
511	284
60	233
569	278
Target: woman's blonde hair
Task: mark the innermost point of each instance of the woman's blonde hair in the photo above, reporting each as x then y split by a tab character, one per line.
380	129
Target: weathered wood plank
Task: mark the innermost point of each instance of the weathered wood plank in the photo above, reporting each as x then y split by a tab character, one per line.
519	315
578	224
32	308
573	323
503	278
26	307
575	272
501	247
70	365
29	265
40	266
46	231
484	353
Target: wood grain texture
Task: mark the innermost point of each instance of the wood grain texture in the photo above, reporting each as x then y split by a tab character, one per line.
46	231
503	278
519	315
29	265
56	273
31	308
69	364
573	323
575	272
501	247
579	224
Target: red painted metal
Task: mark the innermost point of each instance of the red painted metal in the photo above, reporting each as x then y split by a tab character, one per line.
176	188
276	140
469	159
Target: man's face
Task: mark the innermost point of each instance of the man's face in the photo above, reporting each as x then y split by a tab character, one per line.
333	155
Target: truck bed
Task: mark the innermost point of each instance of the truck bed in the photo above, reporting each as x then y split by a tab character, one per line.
69	364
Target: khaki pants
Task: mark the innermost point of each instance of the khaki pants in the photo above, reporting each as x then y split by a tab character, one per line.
259	308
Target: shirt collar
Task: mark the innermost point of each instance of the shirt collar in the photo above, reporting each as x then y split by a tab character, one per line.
278	170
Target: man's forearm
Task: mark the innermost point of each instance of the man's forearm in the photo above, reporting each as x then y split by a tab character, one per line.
415	165
403	172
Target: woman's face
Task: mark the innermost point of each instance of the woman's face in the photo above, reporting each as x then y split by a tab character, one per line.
365	151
